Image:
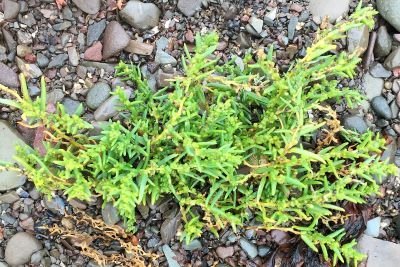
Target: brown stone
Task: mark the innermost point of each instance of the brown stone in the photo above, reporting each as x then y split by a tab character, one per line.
93	53
139	48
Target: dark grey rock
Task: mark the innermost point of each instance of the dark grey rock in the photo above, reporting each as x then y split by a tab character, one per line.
332	9
71	106
115	39
67	13
396	221
11	9
383	44
355	123
8	77
381	107
142	16
357	40
27	19
389	10
38	256
90	7
163	58
110	214
194	245
62	26
42	60
99	93
58	61
20	248
169	228
395	109
292	26
381	123
9	40
263	251
108	109
393	60
372	86
189	7
55	96
249	248
73	56
378	71
55	205
95	30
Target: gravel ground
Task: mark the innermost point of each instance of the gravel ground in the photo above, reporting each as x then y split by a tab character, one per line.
76	48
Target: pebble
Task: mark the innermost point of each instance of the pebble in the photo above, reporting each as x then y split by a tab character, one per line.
270	17
163	78
23	50
225	252
99	93
381	107
193	245
139	48
110	214
389	10
11	9
263	251
42	60
91	7
76	203
8	141
248	247
378	71
55	205
31	71
163	58
357	40
256	25
73	56
332	9
109	108
169	228
71	106
142	16
115	39
373	227
95	30
9	197
170	255
372	86
292	26
58	61
62	26
189	7
8	77
393	60
20	248
396	221
37	257
94	53
24	37
383	44
55	96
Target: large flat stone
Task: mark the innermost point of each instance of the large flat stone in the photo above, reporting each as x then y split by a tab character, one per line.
379	252
9	139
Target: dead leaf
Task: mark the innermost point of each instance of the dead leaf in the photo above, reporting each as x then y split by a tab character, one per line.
61	3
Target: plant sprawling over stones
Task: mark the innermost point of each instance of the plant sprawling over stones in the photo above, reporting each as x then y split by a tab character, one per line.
228	143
